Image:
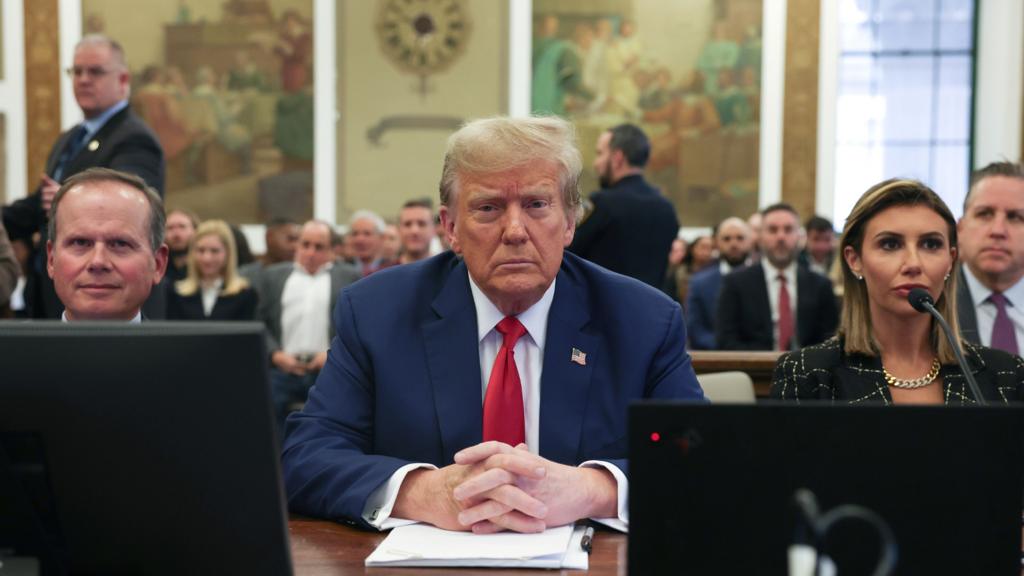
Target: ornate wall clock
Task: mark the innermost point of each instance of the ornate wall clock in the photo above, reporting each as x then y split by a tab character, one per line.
423	37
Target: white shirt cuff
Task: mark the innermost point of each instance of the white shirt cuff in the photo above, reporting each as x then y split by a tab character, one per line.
622	522
377	511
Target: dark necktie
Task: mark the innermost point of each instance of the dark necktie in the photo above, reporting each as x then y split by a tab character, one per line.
785	316
74	144
1004	335
503	402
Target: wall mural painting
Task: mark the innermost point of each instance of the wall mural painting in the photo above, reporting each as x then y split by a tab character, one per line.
228	90
688	72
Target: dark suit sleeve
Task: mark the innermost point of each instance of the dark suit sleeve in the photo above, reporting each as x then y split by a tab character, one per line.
329	470
590	229
175	309
24	217
671	375
699	320
727	328
140	154
263	312
8	267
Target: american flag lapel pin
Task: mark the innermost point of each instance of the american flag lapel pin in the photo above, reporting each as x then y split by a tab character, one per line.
578	356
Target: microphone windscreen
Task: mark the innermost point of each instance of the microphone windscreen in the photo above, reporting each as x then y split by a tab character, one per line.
918	297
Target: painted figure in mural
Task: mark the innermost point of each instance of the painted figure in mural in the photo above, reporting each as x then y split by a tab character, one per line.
622	63
293	127
720	53
689	114
162	111
225	109
295	48
556	70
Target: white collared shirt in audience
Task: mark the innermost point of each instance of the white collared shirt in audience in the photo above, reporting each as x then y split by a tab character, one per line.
210	293
305	311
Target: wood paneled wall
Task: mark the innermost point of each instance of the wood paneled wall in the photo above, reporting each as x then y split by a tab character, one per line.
42	84
800	105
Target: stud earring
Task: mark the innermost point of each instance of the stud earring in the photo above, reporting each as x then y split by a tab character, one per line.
946	279
859	277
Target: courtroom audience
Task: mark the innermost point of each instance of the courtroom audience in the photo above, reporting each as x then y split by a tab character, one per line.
212	288
181	225
390	244
820	248
900	236
296	300
243	254
366	234
991	292
732	239
755	221
416	230
775	304
698	256
106	248
280	237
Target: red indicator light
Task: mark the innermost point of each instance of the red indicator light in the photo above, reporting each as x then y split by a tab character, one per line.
655	436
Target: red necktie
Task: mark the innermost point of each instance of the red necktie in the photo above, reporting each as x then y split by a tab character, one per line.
503	403
785	316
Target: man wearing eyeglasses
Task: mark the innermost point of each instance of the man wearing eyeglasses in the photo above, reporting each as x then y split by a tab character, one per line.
111	136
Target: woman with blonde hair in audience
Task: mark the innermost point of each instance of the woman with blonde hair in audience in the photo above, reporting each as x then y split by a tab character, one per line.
899	236
213	289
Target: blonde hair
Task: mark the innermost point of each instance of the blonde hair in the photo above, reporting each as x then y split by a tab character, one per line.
233	283
496	144
855	325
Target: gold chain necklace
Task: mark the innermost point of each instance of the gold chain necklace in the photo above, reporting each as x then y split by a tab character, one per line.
916	382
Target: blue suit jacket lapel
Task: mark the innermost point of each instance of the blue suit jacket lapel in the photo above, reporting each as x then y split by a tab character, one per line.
565	385
453	360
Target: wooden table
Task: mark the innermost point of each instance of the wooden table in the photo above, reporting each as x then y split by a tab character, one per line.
322	548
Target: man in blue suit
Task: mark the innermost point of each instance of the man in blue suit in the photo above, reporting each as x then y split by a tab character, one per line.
733	241
486	388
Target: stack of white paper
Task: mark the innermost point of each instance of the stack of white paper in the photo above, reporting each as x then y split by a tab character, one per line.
424	545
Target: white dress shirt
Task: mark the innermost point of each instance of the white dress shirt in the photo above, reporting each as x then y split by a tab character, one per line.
136	320
306	311
210	292
985	311
529	358
771	279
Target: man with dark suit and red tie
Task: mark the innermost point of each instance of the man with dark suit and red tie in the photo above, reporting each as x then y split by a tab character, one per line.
486	388
111	136
776	304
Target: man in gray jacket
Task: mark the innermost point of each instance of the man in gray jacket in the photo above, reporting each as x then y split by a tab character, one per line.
296	301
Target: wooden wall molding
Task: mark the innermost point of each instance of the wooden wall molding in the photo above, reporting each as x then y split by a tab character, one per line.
800	105
42	84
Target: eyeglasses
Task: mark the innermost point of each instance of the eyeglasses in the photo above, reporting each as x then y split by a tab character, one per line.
90	71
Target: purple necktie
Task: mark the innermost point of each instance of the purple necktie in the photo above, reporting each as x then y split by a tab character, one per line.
1004	336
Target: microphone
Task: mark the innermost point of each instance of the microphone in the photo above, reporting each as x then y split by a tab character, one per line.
922	301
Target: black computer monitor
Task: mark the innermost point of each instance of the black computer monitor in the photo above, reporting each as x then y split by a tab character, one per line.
140	449
712	486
